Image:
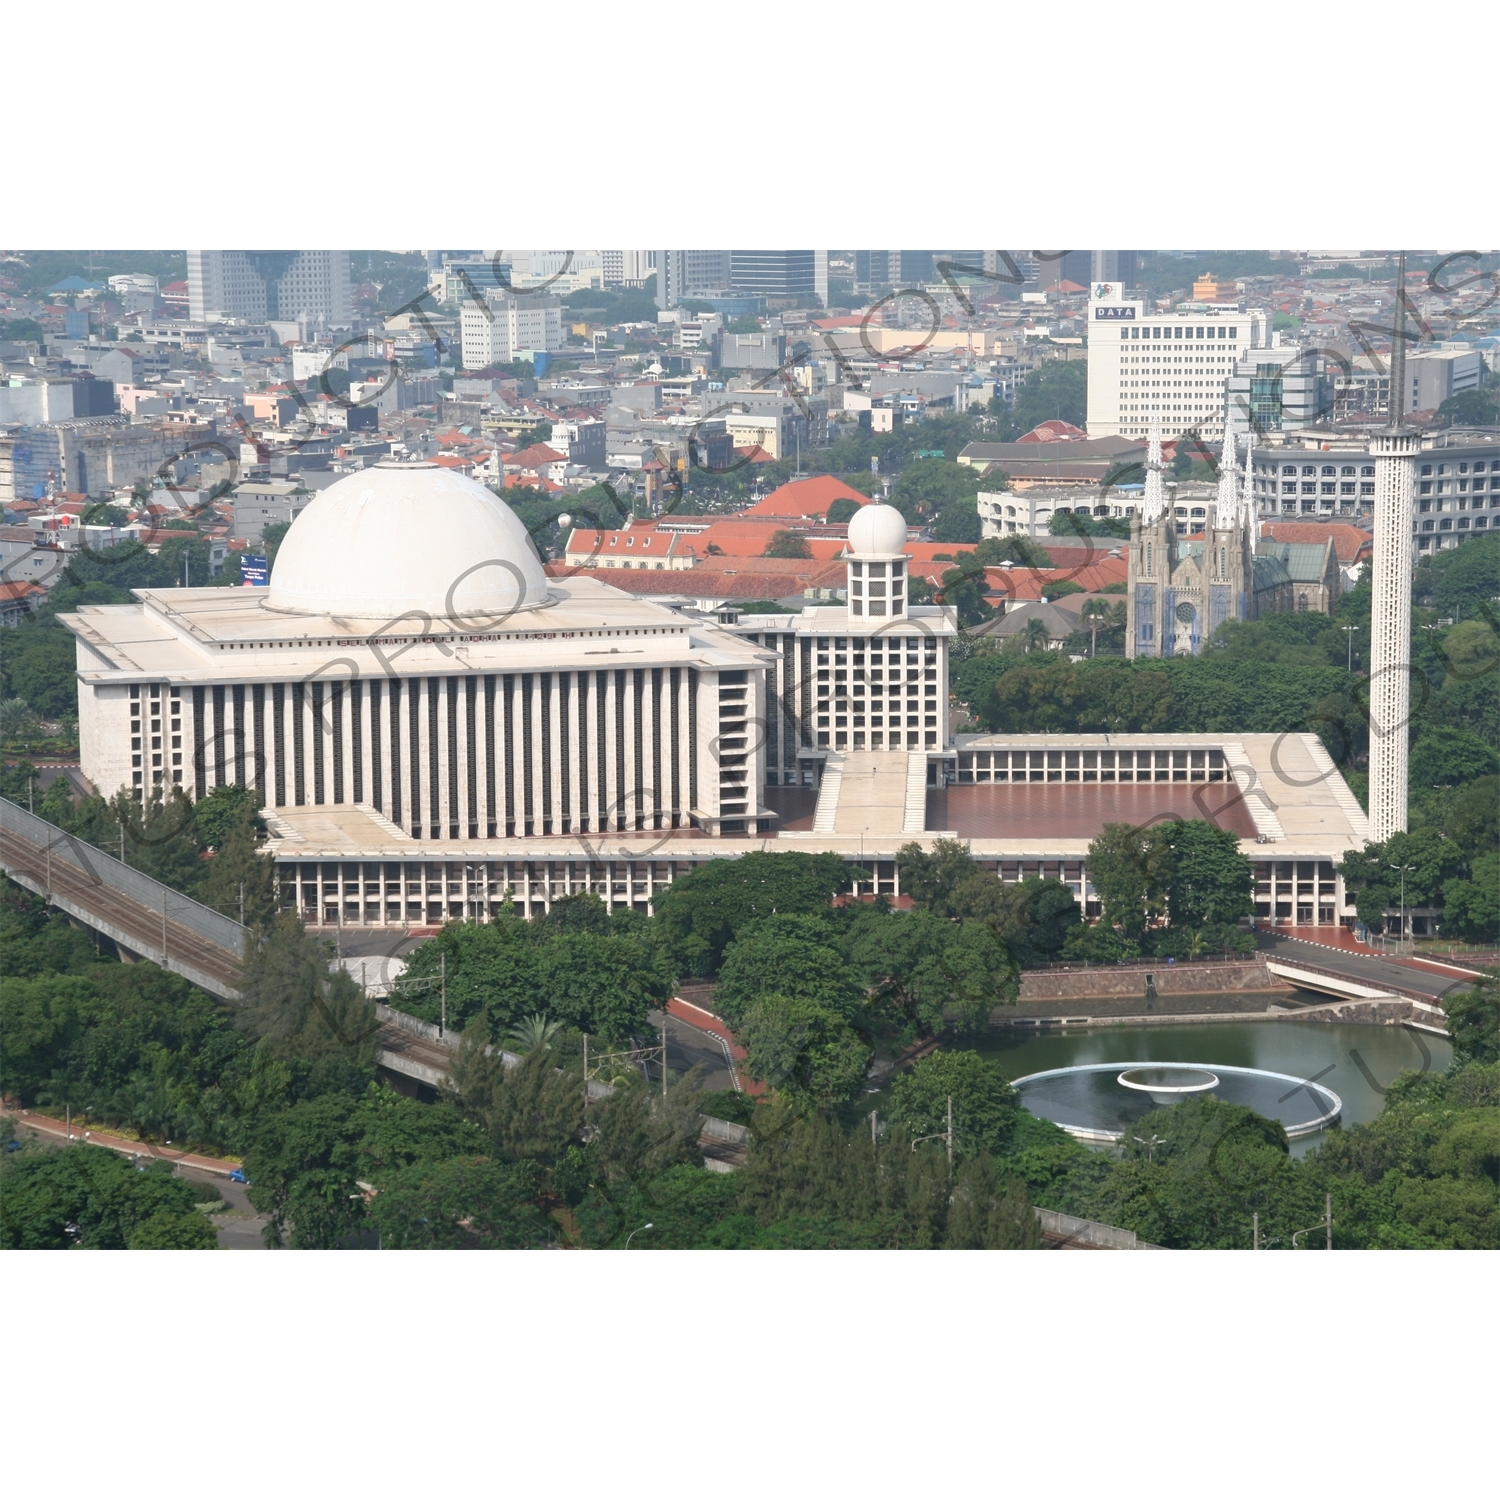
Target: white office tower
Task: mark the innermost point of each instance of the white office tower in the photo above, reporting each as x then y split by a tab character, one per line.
256	286
1171	366
1394	453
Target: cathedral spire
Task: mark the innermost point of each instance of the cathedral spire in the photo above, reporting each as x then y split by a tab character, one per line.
1227	512
1155	498
1247	491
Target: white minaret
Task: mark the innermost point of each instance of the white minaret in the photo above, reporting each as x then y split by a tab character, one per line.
1154	502
876	554
1390	612
1227	511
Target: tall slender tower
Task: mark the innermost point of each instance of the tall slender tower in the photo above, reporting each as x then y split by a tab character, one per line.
1228	507
1390	613
1153	502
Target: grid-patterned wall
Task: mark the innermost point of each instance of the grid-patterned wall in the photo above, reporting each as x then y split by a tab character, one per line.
477	756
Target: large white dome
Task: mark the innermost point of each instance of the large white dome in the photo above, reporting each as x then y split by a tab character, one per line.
877	531
402	537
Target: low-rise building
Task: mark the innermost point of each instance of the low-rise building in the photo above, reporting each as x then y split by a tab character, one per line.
261	503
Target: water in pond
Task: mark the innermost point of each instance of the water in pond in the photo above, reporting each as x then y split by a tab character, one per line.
1356	1062
1098	1100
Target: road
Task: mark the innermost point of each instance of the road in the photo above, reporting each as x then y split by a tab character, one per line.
1416	980
239	1226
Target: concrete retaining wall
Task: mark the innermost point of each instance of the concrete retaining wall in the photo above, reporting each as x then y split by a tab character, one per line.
1167	979
1071	1231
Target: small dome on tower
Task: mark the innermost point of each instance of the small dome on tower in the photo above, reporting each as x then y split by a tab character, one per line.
877	531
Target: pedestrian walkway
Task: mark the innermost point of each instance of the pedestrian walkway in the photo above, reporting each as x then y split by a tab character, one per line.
95	1135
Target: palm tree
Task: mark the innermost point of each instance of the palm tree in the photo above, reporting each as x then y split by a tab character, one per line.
1035	636
1094	611
61	1089
533	1032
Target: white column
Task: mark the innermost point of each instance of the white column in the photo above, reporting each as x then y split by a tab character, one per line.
1390	622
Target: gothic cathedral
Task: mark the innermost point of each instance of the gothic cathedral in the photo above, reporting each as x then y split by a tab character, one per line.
1182	588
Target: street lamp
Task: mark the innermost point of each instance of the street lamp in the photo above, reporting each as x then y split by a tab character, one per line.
1403	869
634	1232
1350	631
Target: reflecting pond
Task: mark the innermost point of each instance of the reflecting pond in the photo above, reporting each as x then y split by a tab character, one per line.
1356	1062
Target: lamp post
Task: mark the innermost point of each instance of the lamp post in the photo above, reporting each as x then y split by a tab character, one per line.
941	1135
634	1232
1350	631
1401	947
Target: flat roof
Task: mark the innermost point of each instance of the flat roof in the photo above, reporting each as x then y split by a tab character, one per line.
1055	810
233	635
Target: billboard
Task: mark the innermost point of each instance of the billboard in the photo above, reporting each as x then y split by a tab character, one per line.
255	572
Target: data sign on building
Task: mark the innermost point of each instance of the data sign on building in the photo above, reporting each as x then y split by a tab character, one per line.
255	572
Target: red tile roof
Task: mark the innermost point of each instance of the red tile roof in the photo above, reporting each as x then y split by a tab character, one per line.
769	578
1054	430
534	457
806	497
1350	544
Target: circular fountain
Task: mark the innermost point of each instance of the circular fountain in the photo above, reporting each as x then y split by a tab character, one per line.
1169	1085
1098	1102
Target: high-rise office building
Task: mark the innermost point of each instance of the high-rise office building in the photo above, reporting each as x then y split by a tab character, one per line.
776	273
1113	265
627	267
258	286
690	273
1171	367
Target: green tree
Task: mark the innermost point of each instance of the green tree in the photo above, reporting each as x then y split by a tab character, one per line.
492	972
1195	1177
704	910
958	521
1472	816
302	1171
989	1211
787	544
1210	880
239	880
1471	907
843	509
792	957
166	1230
1131	869
462	1203
1470	409
923	970
89	1198
985	1107
1375	873
1474	1021
927	487
1056	389
1447	756
604	985
533	1111
315	1021
804	1049
225	809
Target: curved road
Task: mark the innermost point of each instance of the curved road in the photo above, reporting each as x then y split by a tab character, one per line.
1402	978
